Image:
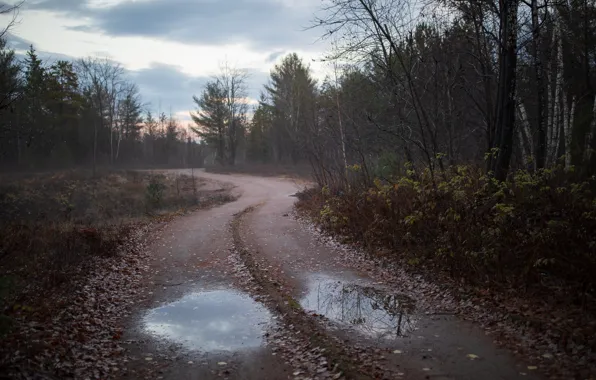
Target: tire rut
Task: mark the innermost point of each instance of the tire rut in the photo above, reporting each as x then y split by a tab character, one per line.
340	358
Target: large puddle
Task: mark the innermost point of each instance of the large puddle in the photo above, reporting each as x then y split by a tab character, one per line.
372	312
219	320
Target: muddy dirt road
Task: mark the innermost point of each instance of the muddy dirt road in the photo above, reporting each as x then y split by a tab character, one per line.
246	291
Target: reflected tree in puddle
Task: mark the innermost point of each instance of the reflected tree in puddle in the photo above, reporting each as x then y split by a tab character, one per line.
219	320
370	311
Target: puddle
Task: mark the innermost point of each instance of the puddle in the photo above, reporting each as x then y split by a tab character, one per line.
219	320
370	311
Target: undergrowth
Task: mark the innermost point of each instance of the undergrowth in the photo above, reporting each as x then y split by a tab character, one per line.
533	233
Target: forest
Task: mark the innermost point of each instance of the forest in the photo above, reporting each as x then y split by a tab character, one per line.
435	84
499	85
83	114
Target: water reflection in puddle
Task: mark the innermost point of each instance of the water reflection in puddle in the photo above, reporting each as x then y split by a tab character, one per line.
219	320
370	311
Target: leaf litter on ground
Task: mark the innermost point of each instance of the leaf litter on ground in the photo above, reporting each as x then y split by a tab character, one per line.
77	331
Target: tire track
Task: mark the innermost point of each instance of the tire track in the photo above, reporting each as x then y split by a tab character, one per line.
339	357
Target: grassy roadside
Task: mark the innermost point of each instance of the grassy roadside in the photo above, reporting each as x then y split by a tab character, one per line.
51	224
524	248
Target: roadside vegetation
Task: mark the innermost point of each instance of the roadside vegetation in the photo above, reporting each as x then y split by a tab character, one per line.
523	249
531	235
53	224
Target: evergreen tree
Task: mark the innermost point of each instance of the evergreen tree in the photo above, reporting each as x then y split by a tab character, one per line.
259	142
10	83
293	94
211	118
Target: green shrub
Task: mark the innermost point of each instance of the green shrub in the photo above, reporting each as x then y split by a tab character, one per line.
155	191
535	231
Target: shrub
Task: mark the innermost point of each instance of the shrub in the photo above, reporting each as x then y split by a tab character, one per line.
533	232
155	191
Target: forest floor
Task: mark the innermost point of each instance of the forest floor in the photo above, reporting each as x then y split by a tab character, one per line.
249	290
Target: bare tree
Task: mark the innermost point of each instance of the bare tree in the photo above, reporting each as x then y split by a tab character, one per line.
13	11
101	80
233	82
10	86
128	113
383	30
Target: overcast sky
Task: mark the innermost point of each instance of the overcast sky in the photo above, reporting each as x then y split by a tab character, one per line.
171	47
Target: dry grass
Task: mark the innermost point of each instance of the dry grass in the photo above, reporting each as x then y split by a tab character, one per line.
78	197
51	223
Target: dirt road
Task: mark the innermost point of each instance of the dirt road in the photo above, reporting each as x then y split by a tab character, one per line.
246	291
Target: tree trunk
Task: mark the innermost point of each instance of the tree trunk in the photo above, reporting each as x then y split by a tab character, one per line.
505	124
582	121
110	126
525	134
540	149
94	147
220	154
565	138
119	128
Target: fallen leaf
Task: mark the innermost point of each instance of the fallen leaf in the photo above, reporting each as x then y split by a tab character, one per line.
222	363
397	352
472	356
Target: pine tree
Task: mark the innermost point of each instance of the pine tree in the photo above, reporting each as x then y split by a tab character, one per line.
211	119
10	83
293	93
33	114
259	134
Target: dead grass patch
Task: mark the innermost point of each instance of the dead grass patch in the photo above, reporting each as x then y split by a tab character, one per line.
52	223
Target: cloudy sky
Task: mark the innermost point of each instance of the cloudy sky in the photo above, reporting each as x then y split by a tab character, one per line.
171	47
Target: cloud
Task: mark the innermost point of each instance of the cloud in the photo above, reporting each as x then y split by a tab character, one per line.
21	46
67	6
262	24
274	56
170	47
17	42
165	86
